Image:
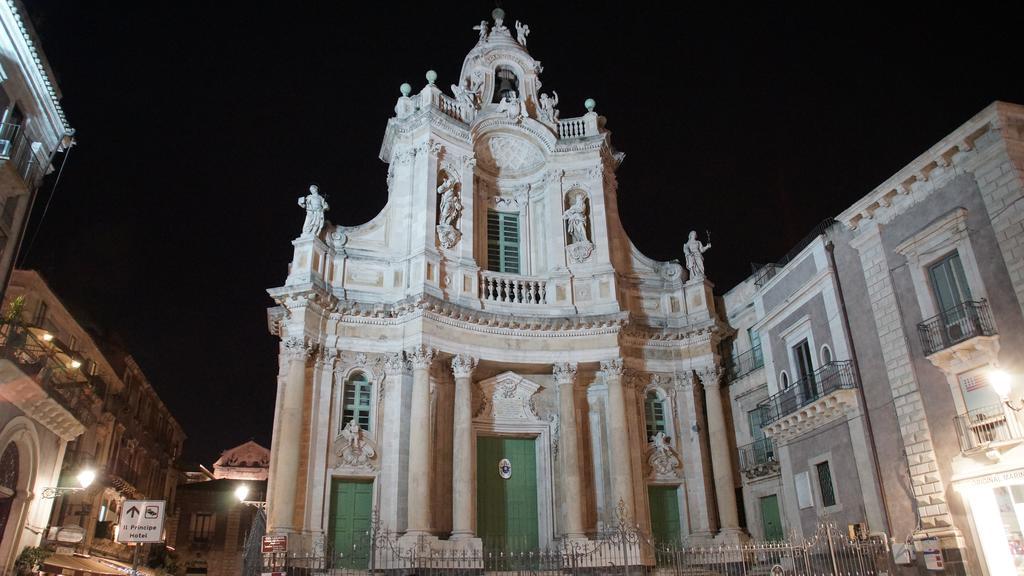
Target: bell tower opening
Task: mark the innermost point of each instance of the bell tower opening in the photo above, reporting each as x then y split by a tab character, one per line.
506	83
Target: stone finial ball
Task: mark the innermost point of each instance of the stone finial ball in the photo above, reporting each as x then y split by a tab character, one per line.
498	14
405	89
590	104
431	77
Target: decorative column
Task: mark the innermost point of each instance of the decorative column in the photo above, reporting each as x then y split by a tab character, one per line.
420	521
568	450
392	496
295	352
721	461
463	493
618	438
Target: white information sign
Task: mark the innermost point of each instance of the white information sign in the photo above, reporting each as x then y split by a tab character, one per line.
141	521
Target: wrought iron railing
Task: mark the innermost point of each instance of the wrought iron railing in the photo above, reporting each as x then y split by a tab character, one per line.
982	427
833	376
758	458
739	366
954	325
765	272
16	148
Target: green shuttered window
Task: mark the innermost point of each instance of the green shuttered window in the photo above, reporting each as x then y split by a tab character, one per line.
654	414
503	242
356	402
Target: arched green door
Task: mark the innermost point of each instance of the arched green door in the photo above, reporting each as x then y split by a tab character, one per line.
507	506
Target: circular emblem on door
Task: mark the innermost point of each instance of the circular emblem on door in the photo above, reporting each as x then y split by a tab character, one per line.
504	468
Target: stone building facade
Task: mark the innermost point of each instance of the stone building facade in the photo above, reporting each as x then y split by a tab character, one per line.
490	361
890	345
129	438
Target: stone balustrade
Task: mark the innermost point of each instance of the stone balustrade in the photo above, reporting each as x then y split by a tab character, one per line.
512	288
578	127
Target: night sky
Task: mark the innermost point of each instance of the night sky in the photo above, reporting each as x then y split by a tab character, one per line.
200	124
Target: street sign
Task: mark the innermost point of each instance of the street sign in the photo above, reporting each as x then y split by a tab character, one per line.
141	521
274	543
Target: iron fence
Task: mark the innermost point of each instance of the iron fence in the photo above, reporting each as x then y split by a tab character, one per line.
956	324
623	550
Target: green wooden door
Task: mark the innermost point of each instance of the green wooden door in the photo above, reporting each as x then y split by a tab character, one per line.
664	504
771	523
351	502
507	507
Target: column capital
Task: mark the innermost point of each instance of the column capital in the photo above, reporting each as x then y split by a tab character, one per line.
325	357
421	356
684	381
394	363
711	377
612	368
297	348
564	372
463	365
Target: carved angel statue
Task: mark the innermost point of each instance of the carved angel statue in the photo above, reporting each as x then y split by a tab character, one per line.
355	450
451	205
483	28
315	206
576	219
662	457
467	99
512	106
548	111
522	31
694	251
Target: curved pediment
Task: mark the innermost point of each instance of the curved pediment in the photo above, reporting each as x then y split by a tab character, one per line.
507	154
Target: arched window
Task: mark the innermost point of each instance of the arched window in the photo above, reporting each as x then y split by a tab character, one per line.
9	465
826	354
505	83
654	414
356	401
784	380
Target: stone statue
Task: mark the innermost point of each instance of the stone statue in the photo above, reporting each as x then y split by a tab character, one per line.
522	31
662	458
512	106
483	28
576	219
354	449
467	100
694	251
315	206
451	206
548	112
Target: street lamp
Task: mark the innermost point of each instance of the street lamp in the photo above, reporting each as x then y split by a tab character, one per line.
242	492
85	478
1002	384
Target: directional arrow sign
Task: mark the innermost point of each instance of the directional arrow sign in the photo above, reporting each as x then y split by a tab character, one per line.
141	521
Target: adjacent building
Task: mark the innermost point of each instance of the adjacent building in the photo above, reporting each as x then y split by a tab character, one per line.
490	361
877	370
127	435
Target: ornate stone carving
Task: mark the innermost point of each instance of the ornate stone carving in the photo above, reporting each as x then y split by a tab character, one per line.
315	206
463	365
353	448
710	376
394	362
507	396
576	223
296	348
513	107
547	111
580	252
484	29
564	372
662	460
448	233
694	251
556	431
612	368
421	357
522	31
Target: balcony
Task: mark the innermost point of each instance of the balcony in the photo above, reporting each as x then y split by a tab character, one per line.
988	427
758	459
16	151
512	288
811	401
956	325
739	366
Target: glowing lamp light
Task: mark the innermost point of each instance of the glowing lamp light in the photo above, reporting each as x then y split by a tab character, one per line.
47	337
1001	382
242	492
86	477
76	364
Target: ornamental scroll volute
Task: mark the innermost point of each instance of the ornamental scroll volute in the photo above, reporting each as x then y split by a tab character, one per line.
507	397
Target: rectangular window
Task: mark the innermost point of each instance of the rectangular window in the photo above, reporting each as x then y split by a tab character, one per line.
949	282
202	526
503	242
805	369
828	495
40	318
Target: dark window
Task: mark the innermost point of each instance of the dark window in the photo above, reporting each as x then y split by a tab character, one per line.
40	314
949	282
505	83
202	526
503	242
356	402
805	369
828	495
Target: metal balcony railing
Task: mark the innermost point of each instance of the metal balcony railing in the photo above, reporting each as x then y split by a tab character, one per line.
984	426
17	149
738	366
955	325
822	382
757	455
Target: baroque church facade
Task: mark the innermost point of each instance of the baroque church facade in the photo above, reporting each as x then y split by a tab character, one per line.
490	360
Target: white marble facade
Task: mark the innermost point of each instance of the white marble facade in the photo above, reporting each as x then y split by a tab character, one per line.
563	350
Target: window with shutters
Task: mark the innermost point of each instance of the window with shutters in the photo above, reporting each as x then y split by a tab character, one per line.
503	242
356	401
654	412
202	526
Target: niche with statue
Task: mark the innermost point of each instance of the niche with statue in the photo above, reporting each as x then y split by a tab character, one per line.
577	226
449	210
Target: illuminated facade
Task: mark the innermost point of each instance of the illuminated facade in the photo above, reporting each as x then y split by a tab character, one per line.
493	336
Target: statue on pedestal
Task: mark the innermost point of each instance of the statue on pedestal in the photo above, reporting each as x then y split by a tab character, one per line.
450	210
548	112
315	206
694	251
522	31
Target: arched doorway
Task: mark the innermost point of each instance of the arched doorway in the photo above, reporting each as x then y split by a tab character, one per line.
10	463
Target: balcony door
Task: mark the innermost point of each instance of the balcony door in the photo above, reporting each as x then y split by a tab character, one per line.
949	286
805	369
